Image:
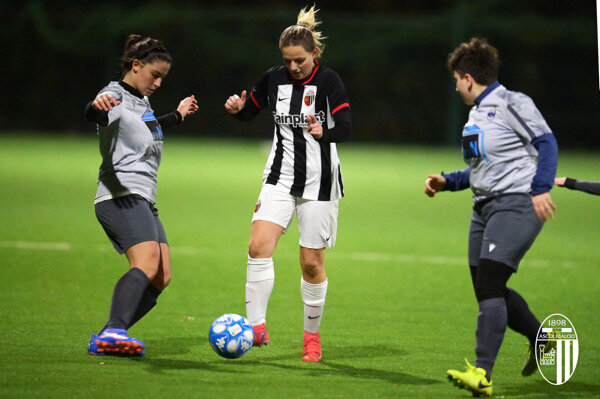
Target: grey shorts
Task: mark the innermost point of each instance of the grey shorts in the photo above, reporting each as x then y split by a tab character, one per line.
503	229
130	220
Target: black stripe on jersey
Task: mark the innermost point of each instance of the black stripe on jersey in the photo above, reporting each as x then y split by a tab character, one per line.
325	189
277	159
521	121
299	144
341	181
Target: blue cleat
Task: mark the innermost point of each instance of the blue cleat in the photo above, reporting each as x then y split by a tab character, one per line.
93	348
115	341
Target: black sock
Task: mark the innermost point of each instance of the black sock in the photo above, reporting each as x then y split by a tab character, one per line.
146	304
491	326
520	318
126	298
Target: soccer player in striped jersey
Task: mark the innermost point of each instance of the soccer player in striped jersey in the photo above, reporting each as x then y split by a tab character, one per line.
311	112
131	147
511	155
590	187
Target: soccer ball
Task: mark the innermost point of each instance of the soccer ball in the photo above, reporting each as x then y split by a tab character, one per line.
231	335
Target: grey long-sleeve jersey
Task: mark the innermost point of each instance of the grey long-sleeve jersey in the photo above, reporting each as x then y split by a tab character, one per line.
131	147
497	142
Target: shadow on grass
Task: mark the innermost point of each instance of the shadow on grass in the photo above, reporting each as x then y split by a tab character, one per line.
577	389
173	346
327	367
331	364
157	366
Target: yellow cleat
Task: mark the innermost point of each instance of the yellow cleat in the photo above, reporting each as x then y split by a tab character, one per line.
530	363
473	380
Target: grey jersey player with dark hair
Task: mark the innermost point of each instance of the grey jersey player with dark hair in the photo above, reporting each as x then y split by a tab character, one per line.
511	155
131	140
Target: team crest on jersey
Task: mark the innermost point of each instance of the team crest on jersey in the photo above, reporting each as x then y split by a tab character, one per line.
491	114
309	98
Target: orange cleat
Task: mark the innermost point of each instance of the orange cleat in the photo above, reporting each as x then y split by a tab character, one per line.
312	347
261	335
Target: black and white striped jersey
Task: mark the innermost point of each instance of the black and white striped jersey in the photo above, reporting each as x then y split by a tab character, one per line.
298	163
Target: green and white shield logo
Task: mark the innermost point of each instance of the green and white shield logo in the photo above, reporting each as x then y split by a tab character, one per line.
557	349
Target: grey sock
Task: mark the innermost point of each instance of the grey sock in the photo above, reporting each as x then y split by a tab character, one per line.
491	325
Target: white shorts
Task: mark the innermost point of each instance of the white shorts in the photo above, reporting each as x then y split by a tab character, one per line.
317	220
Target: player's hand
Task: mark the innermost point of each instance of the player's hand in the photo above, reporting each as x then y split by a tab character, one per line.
235	103
434	184
314	127
560	181
543	205
105	102
187	106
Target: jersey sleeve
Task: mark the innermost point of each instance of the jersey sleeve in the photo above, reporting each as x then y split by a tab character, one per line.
591	187
457	180
525	119
256	100
104	118
336	95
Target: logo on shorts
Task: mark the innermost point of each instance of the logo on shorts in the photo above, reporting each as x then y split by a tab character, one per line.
556	349
492	247
257	206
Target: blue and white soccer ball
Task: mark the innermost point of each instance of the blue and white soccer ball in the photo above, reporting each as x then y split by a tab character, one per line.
231	335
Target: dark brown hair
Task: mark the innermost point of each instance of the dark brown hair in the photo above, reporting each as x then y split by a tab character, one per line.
145	49
476	57
303	33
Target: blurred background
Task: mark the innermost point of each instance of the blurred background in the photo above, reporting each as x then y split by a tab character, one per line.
390	54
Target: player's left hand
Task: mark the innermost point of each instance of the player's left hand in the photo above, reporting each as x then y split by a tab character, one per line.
560	181
187	106
543	205
314	127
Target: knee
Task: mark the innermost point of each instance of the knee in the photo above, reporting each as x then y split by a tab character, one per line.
311	268
491	279
257	248
148	261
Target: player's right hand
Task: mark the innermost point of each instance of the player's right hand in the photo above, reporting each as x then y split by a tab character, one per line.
235	103
105	102
434	184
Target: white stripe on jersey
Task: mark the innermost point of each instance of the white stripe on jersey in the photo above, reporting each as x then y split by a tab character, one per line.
313	150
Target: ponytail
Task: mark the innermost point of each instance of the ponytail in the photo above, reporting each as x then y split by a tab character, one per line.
303	33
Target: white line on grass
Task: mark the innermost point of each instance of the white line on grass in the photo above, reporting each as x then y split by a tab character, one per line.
357	256
53	246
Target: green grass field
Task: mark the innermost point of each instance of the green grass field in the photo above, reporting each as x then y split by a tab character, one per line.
400	307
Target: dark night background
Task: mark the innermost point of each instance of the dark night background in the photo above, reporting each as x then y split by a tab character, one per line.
390	54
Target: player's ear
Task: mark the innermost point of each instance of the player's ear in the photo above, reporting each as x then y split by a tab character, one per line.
136	66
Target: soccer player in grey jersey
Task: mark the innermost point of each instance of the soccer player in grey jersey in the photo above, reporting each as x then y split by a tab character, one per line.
511	155
131	147
311	111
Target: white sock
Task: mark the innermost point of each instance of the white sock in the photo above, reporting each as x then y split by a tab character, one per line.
259	284
313	296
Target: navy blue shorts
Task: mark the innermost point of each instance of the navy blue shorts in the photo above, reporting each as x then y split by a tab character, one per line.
503	229
130	220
